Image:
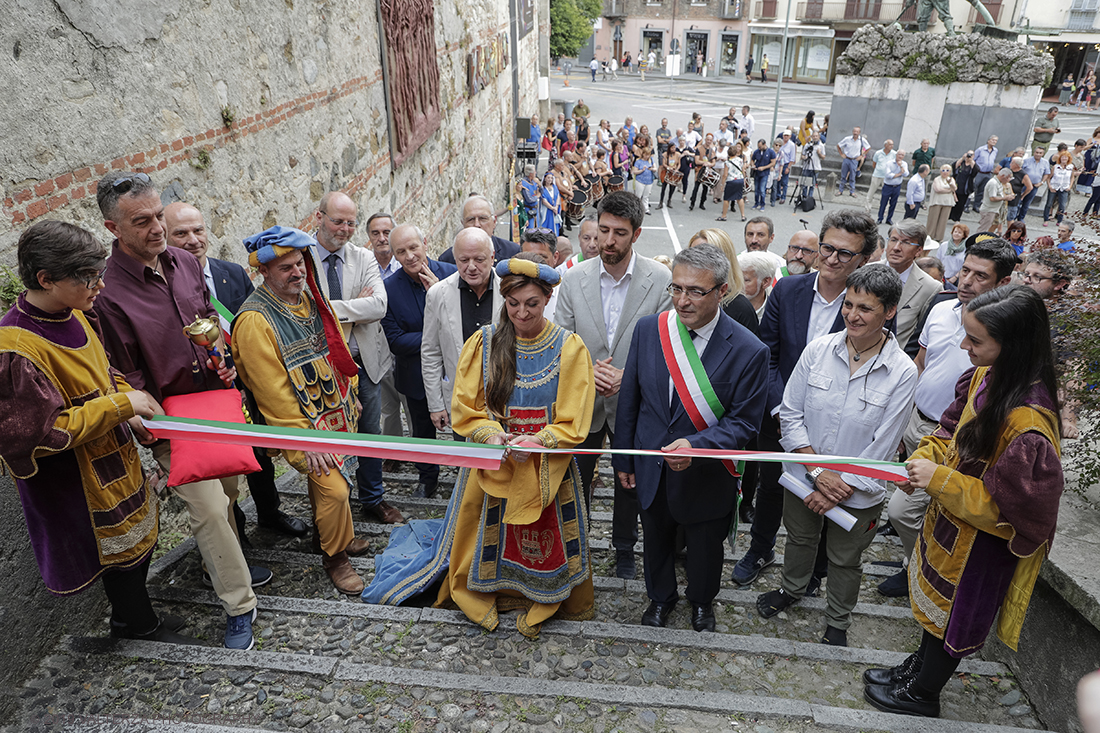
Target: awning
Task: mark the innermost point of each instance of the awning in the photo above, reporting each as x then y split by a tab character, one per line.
794	29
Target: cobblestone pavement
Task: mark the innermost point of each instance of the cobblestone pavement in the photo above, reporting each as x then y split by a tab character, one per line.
324	662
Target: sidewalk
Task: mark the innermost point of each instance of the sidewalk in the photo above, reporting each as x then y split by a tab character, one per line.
582	74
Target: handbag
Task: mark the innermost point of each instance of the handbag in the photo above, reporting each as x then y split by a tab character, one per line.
198	461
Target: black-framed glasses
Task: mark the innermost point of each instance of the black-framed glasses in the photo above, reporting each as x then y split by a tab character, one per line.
122	185
692	293
1033	277
842	255
340	222
89	278
806	251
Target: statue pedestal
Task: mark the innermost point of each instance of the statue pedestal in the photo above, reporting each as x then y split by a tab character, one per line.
956	117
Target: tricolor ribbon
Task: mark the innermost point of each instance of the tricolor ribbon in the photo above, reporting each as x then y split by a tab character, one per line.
466	455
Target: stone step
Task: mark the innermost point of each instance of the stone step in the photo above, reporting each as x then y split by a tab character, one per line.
711	673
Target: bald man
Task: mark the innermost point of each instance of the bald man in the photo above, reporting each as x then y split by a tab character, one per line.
229	283
477	211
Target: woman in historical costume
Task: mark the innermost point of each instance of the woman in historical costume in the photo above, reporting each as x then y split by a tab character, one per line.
68	421
514	537
549	204
994	473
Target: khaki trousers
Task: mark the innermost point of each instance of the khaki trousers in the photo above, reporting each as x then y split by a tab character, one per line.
937	220
845	551
872	189
209	506
328	496
906	511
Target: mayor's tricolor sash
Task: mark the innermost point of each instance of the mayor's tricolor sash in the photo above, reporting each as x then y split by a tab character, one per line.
689	377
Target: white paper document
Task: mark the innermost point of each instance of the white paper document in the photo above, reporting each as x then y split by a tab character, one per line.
802	488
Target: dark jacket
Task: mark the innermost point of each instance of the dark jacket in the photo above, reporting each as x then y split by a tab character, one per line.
403	325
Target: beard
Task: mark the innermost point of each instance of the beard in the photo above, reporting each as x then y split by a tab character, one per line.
797	267
612	257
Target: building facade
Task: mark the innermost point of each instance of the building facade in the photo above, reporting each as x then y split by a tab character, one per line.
718	37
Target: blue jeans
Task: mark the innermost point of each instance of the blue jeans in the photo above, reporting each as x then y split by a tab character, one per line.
889	196
779	190
369	473
759	184
1063	200
848	174
812	177
1025	204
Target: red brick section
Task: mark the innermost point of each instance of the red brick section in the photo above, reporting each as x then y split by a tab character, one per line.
37	199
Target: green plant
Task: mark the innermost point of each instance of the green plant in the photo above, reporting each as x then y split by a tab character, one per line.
10	286
571	24
227	116
201	161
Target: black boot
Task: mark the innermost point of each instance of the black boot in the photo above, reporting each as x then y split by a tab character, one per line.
894	675
903	699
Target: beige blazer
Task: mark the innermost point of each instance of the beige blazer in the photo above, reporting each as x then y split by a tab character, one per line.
918	290
441	342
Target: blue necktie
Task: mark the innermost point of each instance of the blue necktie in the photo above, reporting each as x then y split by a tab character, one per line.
334	290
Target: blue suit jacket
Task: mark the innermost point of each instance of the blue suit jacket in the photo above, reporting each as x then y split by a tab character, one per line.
783	329
231	283
403	325
737	365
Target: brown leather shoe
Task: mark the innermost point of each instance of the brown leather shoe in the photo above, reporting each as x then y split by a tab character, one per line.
384	512
342	574
357	547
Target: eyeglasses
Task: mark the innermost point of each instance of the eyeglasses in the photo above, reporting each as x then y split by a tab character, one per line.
805	251
1032	277
692	293
89	278
340	222
842	255
122	185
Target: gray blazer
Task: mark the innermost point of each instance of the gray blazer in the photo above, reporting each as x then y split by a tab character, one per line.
918	290
579	310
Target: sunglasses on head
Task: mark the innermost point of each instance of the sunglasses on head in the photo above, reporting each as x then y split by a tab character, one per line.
122	185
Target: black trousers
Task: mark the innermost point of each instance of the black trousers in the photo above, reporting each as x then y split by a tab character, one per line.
769	501
130	604
937	665
624	515
705	552
422	427
262	487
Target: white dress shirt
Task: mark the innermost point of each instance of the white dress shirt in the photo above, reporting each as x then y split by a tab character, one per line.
822	312
701	341
835	412
944	361
613	296
209	277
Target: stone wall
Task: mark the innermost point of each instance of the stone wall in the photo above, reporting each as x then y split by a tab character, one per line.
249	109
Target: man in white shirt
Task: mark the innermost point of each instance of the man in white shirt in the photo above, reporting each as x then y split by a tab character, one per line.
724	132
601	300
747	122
788	151
351	280
852	151
691	138
914	192
878	172
940	362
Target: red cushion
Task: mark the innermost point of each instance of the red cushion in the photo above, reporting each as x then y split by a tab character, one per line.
198	461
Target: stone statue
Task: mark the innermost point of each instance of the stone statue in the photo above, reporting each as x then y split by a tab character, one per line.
943	9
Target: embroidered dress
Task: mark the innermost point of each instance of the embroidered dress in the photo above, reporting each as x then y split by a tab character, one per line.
65	439
514	537
989	525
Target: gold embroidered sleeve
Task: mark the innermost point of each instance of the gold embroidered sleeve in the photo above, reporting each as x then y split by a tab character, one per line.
469	415
966	498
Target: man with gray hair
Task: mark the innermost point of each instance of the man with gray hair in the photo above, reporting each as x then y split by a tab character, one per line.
453	311
997	194
905	245
407	290
914	193
477	211
1022	186
759	272
659	408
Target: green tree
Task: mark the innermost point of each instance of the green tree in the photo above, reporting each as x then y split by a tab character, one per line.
571	24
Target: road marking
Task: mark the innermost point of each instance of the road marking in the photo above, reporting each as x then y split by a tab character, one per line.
671	231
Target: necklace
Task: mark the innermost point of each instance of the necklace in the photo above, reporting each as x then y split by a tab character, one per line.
864	351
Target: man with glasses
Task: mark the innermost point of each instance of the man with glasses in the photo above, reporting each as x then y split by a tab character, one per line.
478	212
801	254
800	309
602	300
350	278
1049	273
1037	168
660	408
150	289
905	245
940	362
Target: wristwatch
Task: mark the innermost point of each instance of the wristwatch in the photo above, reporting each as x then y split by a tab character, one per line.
815	473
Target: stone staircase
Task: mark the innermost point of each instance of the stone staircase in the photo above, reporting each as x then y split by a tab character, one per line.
323	662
